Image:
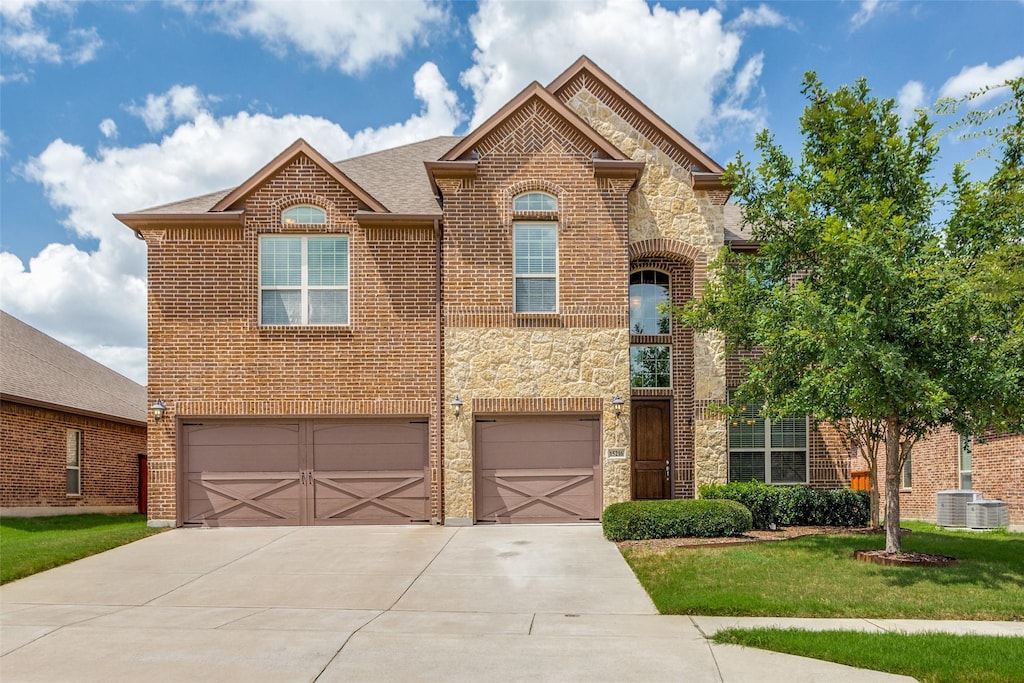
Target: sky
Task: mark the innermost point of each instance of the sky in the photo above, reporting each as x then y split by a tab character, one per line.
118	106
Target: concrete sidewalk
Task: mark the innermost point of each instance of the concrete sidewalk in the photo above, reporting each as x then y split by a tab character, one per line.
548	603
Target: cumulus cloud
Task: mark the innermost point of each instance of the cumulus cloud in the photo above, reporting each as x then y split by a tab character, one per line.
678	62
866	12
974	78
96	300
351	36
84	44
180	103
108	128
25	37
4	142
762	15
909	99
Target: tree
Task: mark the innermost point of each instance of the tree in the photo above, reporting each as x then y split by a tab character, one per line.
856	308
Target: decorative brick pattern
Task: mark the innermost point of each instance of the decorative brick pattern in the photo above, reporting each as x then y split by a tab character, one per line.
565	404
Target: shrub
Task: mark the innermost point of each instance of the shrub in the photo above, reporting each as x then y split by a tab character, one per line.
794	505
640	519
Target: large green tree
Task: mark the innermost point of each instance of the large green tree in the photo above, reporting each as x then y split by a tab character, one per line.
858	309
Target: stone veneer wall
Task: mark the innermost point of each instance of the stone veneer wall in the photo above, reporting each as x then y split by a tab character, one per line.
556	369
664	205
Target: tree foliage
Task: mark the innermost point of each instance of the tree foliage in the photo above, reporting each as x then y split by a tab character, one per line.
860	309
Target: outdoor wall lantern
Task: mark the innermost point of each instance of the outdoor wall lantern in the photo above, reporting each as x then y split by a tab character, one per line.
617	404
158	408
457	405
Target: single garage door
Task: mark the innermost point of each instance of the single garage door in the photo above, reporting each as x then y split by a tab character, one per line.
372	471
538	469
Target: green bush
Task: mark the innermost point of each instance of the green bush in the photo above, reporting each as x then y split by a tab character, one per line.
794	505
640	519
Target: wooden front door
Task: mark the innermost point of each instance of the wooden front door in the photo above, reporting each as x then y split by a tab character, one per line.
651	449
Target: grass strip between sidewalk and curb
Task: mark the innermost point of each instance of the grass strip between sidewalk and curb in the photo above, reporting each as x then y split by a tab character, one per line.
33	544
928	657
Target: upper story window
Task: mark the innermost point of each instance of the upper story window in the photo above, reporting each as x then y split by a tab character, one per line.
648	289
535	262
772	451
304	214
304	280
73	471
535	201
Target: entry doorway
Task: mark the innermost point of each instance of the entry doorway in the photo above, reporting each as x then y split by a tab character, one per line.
651	451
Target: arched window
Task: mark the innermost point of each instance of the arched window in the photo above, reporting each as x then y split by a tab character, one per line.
304	214
535	201
648	289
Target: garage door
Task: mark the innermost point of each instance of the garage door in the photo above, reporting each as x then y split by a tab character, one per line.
372	471
538	469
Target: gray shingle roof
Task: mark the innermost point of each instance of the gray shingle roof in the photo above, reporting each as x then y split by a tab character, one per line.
39	369
736	229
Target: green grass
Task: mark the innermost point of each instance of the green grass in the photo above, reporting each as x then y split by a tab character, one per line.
817	576
928	657
33	544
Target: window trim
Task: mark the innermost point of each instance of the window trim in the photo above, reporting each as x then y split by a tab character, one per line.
303	206
668	298
767	451
907	473
530	193
667	346
967	441
516	276
304	288
79	446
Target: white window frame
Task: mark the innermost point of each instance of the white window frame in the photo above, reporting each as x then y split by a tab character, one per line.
73	441
965	443
907	473
516	276
285	221
304	288
532	193
767	450
640	346
668	299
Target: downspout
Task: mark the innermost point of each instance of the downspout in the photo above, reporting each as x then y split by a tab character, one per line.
439	342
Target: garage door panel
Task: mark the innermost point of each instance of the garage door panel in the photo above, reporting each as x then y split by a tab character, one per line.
368	457
364	498
252	458
249	498
538	454
240	434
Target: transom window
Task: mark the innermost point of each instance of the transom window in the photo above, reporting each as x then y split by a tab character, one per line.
304	214
648	290
772	451
535	201
650	366
535	258
304	280
74	462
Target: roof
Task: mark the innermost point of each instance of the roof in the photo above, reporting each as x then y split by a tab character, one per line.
736	228
39	370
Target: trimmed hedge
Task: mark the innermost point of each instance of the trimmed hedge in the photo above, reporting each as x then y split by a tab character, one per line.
640	519
794	505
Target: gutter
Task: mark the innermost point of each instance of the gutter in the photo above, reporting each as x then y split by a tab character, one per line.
439	342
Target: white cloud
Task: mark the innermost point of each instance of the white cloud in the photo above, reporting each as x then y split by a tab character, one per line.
86	42
909	99
974	78
180	103
865	13
762	15
23	38
4	142
96	300
108	128
351	36
678	62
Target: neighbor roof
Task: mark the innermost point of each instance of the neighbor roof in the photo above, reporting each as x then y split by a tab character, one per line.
39	370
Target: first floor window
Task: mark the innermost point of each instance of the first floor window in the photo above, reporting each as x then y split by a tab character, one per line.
907	472
965	462
535	259
772	451
74	462
650	366
304	280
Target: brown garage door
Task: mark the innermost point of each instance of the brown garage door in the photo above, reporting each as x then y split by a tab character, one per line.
371	471
538	469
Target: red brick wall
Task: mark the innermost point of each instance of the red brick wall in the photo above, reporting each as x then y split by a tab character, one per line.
33	450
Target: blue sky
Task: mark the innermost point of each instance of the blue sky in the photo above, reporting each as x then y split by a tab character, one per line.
117	106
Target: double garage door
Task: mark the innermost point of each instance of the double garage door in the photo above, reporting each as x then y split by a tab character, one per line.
305	472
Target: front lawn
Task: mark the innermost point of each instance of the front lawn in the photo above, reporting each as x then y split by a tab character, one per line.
928	657
816	576
33	544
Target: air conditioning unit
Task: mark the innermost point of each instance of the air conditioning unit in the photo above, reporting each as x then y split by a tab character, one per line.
951	506
987	514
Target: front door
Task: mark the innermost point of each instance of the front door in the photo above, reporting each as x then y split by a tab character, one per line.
651	449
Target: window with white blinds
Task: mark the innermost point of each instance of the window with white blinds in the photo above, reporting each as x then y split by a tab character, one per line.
304	280
535	263
772	451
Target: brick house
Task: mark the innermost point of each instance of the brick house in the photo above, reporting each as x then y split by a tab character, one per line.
461	330
72	432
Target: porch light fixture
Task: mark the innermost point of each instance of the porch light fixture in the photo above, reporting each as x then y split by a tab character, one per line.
617	404
158	408
457	405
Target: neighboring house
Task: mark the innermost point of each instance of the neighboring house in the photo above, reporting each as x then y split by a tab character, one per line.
461	330
72	432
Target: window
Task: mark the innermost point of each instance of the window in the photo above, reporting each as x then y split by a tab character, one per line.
907	472
648	290
650	366
965	463
74	462
535	257
772	451
304	214
304	280
535	201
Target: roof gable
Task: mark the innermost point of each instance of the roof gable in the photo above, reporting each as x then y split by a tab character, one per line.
282	160
534	97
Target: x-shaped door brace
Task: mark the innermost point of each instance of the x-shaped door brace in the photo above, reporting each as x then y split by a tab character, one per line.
361	499
238	500
543	497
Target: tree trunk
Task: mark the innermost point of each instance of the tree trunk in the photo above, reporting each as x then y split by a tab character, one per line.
873	493
893	472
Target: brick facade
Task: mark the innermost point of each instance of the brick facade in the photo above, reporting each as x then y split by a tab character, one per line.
33	462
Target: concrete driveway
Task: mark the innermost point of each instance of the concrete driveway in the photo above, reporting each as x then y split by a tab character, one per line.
420	603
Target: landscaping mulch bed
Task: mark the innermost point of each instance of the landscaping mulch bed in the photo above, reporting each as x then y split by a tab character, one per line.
904	559
655	545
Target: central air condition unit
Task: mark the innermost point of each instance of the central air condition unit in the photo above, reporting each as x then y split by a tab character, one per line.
987	514
951	506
